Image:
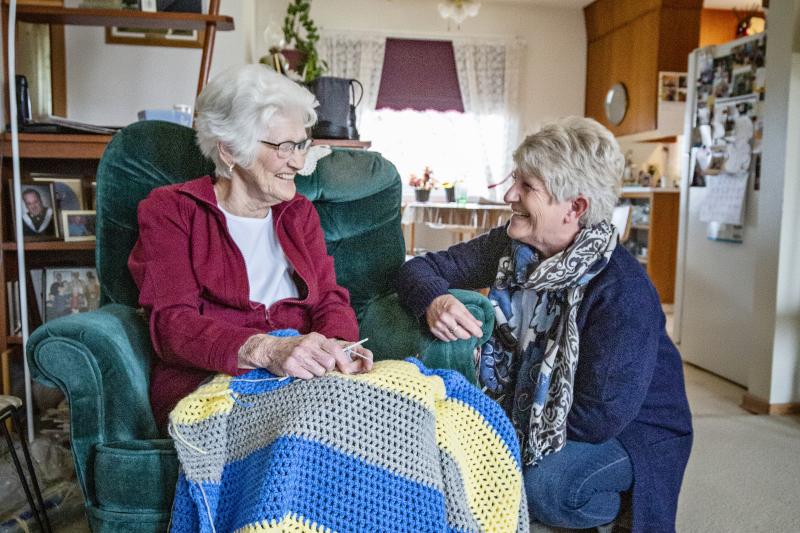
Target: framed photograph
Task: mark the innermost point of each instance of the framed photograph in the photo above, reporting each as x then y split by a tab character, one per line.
68	190
69	291
155	37
78	225
39	222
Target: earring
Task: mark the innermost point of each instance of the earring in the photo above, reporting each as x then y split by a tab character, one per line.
230	168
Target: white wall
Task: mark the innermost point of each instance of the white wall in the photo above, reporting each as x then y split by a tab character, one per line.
775	321
553	77
110	83
782	383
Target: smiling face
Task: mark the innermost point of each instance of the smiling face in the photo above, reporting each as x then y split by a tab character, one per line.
33	203
271	176
538	219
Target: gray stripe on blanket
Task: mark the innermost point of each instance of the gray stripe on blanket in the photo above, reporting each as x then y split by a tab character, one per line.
459	516
524	520
377	425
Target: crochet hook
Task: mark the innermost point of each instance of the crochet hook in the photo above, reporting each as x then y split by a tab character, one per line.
349	349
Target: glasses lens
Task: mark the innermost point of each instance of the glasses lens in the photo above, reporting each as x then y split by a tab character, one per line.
285	149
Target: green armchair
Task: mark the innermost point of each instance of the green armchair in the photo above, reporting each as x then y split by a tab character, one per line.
101	360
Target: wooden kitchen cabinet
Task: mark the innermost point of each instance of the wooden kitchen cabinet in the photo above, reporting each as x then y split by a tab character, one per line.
630	42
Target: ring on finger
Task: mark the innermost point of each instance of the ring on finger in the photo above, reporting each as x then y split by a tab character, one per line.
453	329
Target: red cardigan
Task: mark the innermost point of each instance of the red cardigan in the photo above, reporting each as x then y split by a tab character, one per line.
193	285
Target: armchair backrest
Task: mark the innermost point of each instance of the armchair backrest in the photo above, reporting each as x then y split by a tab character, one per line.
357	195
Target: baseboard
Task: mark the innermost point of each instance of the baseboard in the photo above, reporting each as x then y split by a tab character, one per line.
756	405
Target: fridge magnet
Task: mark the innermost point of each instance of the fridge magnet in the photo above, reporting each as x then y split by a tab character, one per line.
725	232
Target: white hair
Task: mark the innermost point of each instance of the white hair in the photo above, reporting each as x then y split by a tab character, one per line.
236	107
575	156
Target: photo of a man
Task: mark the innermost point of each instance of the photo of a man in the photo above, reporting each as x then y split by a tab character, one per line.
39	220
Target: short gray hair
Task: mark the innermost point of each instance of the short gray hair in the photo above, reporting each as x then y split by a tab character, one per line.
575	156
236	107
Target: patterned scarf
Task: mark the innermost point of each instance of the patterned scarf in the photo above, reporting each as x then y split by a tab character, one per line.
528	365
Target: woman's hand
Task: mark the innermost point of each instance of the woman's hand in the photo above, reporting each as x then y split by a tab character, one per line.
448	319
303	356
364	359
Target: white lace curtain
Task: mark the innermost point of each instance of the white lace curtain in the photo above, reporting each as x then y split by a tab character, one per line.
488	76
355	56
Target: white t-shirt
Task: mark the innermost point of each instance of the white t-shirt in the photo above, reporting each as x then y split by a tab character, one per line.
268	270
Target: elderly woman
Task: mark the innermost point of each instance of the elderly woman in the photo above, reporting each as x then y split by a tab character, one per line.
223	260
580	359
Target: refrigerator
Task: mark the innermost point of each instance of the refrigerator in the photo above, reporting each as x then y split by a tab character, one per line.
720	173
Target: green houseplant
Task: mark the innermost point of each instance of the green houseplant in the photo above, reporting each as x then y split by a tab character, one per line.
300	32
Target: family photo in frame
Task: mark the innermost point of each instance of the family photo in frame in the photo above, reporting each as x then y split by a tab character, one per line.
70	291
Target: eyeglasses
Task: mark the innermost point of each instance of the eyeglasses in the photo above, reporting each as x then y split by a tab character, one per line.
286	148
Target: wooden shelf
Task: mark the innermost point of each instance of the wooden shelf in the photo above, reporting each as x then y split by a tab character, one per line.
57	145
343	143
51	246
640	226
127	18
14	339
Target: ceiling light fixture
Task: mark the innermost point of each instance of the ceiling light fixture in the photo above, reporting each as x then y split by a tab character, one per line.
459	10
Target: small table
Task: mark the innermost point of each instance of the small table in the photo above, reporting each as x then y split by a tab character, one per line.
465	220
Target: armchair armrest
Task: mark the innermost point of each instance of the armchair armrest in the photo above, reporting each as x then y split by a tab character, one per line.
101	362
395	334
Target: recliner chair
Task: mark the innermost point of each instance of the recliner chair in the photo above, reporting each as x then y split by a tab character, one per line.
101	360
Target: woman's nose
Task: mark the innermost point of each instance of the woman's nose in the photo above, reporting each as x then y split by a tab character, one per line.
511	194
297	160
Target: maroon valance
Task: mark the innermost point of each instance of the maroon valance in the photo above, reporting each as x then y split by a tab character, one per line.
421	75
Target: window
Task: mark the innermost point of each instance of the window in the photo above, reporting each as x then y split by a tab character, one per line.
420	121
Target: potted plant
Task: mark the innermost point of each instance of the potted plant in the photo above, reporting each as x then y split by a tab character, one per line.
449	190
423	186
300	33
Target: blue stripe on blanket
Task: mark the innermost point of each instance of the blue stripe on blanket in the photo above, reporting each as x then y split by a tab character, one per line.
459	388
337	491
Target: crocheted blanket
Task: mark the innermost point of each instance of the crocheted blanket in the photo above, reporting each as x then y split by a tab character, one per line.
402	449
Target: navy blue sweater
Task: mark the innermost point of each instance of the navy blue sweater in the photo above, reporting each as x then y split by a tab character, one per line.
629	379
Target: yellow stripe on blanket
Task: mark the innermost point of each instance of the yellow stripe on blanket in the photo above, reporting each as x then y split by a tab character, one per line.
287	524
486	465
212	398
403	378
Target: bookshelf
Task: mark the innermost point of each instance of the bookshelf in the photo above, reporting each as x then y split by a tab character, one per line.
66	154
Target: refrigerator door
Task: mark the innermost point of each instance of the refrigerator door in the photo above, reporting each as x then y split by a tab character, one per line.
715	281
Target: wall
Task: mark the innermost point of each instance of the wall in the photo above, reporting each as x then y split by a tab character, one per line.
552	80
109	84
780	382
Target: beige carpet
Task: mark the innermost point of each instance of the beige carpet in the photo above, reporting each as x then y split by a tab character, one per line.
744	472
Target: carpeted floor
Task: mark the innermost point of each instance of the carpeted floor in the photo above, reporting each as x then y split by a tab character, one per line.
744	472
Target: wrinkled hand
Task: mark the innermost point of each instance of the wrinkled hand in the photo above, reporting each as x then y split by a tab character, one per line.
448	319
304	356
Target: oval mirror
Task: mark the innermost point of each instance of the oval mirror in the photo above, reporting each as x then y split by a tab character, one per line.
616	104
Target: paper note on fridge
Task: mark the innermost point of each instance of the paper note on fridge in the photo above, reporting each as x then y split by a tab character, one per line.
725	198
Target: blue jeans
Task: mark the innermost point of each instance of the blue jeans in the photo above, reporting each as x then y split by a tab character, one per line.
579	486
